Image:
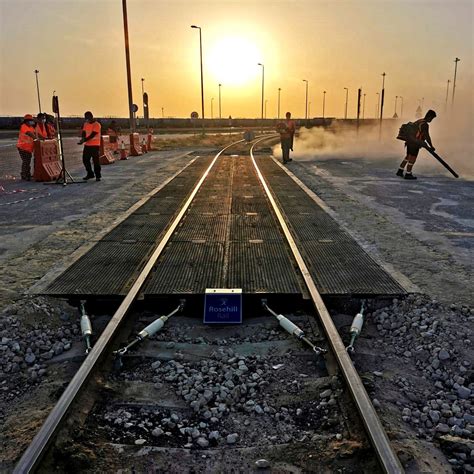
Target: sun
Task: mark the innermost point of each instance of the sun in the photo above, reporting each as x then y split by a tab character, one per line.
233	61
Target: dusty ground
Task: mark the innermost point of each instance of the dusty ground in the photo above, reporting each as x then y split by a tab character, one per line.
431	243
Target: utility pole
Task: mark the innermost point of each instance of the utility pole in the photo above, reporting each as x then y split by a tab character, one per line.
220	109
129	72
202	76
347	96
454	82
263	86
279	91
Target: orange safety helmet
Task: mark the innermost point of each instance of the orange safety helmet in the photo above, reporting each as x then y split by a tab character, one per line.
28	117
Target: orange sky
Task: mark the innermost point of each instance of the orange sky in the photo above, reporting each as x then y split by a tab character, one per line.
78	47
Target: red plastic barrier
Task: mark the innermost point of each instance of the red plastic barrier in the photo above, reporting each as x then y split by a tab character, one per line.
135	149
106	151
47	164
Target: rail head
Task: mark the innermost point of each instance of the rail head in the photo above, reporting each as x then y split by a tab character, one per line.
36	450
379	439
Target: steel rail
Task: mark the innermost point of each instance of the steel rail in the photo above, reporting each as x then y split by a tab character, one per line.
379	439
36	450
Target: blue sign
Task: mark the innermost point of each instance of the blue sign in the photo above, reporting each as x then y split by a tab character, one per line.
223	306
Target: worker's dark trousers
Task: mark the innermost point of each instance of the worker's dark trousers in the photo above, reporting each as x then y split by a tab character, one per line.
25	164
88	153
285	148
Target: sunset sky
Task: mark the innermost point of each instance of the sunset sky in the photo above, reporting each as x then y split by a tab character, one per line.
78	47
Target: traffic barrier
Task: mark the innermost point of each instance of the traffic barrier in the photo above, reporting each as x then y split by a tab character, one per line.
106	151
123	152
47	165
150	142
135	149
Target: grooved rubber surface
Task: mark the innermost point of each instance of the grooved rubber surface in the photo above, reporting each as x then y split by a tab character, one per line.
109	266
229	238
337	263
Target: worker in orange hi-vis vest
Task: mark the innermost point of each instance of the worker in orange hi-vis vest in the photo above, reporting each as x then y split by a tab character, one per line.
41	128
286	130
25	145
91	139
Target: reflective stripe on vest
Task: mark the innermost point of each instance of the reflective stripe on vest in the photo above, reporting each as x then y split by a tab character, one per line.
24	141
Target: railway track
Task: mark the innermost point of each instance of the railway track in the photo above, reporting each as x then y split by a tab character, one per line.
200	430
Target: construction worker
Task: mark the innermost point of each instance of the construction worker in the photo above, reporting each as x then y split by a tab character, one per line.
50	126
91	139
41	128
422	139
25	145
113	131
286	130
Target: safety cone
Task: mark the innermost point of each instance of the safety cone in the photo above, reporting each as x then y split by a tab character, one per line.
123	152
144	149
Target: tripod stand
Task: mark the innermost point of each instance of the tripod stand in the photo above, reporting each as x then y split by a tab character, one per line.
64	178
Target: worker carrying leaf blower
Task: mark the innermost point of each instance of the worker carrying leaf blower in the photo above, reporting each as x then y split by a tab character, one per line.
416	135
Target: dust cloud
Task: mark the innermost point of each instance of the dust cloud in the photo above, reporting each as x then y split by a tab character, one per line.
451	133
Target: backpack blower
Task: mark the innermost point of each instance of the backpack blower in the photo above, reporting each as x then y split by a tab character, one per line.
407	133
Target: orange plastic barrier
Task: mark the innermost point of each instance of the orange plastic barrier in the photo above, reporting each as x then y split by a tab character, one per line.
135	149
47	165
150	142
106	151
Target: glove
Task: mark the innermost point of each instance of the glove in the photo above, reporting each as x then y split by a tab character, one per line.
80	142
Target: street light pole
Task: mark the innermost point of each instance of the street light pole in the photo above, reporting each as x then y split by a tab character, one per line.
202	75
378	104
401	108
162	112
266	100
363	107
143	97
263	85
309	110
454	82
447	94
212	107
382	98
306	103
324	103
220	109
37	90
395	113
129	71
279	91
347	97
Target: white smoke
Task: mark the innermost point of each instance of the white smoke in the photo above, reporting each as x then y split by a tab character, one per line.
451	133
